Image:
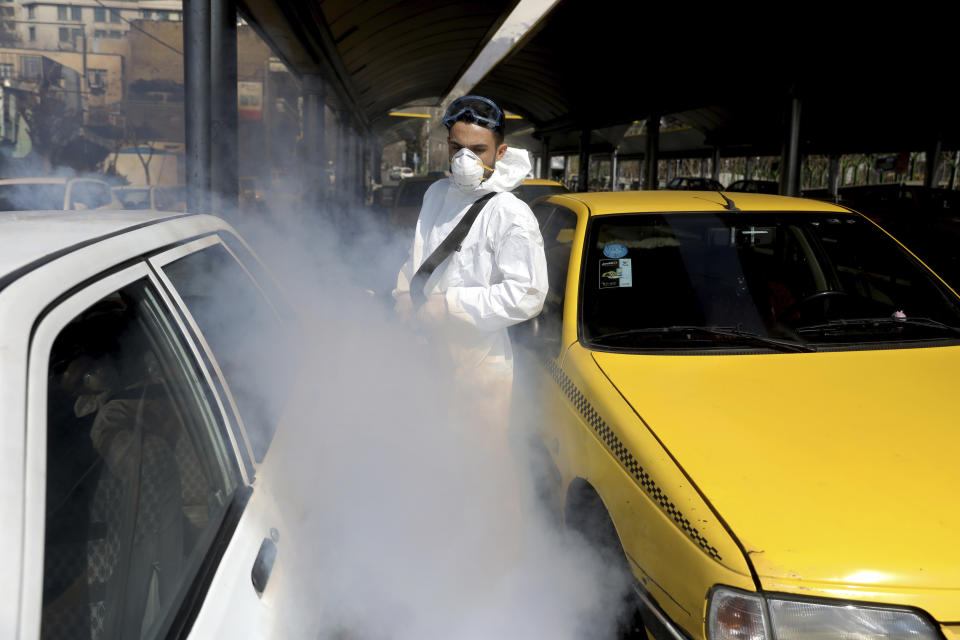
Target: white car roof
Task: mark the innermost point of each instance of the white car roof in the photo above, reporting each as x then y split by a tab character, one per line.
27	236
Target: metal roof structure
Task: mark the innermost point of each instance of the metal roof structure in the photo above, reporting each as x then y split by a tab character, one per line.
377	55
868	82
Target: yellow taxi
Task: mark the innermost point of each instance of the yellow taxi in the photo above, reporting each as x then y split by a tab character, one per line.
751	398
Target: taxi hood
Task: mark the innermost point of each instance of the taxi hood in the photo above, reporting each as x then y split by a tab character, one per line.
832	467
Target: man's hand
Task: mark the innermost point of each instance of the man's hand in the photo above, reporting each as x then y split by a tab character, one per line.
434	311
403	307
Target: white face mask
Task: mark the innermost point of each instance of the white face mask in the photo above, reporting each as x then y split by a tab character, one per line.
466	170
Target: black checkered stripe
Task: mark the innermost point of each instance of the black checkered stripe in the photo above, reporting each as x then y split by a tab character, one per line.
621	453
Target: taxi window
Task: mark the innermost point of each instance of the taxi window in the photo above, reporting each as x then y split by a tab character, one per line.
140	474
244	332
664	281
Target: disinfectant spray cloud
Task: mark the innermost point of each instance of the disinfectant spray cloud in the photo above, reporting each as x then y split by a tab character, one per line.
400	504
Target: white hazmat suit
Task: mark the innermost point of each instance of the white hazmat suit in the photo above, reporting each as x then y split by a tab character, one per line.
498	277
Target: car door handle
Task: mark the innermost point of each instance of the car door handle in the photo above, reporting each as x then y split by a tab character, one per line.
263	565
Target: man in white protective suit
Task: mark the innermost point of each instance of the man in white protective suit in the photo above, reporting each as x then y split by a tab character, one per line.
497	277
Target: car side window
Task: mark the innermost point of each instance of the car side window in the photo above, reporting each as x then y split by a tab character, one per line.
140	473
90	195
244	332
558	227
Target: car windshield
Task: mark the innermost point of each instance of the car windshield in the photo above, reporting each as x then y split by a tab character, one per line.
530	192
32	197
717	281
134	198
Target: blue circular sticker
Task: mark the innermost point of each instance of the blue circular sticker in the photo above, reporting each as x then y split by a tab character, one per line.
614	251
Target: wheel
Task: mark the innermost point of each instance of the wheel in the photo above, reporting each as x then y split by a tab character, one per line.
587	515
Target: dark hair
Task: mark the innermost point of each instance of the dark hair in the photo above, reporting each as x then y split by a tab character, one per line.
498	132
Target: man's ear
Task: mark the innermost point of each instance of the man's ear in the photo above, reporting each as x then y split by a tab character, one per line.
502	149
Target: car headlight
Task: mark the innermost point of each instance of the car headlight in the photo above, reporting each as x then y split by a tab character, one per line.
739	615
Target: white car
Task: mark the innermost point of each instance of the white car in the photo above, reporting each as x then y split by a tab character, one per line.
132	349
56	194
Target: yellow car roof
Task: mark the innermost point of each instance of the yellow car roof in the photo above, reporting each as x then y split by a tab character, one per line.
605	202
539	182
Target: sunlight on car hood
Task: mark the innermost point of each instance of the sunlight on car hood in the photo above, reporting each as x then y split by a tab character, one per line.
828	467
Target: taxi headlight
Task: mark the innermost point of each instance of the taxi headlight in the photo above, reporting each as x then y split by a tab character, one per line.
738	615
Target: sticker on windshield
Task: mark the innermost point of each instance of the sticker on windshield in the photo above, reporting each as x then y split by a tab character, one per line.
614	251
615	274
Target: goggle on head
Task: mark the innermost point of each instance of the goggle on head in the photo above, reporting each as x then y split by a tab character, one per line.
482	110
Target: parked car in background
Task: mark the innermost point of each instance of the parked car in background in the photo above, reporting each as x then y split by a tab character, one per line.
755	186
682	183
59	194
749	407
533	188
156	197
399	173
138	430
407	201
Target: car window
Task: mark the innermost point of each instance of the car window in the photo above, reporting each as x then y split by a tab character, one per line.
32	197
558	233
134	198
139	471
89	194
819	278
244	332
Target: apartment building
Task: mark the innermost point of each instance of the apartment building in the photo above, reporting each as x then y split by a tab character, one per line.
66	25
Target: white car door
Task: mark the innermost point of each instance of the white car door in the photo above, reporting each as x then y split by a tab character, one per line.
140	517
222	290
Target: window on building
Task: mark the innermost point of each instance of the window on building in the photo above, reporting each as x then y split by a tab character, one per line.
99	14
31	12
97	77
100	33
76	13
64	34
116	34
7	70
61	12
8	13
32	32
31	67
164	15
146	14
114	15
77	35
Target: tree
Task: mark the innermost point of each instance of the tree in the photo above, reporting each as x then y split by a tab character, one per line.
137	138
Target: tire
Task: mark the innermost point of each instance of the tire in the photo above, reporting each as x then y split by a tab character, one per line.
587	515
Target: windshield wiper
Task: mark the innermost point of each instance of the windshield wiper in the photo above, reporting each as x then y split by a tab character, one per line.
745	336
859	322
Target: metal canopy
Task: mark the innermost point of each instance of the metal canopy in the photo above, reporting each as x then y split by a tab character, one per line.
868	82
377	55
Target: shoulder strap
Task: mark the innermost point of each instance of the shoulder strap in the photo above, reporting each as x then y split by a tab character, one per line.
450	244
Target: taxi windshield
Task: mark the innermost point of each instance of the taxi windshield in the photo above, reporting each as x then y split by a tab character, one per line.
793	281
